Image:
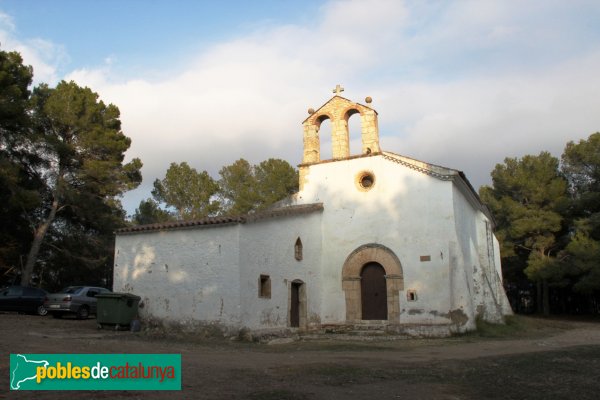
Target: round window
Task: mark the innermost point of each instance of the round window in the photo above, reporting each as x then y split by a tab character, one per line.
365	180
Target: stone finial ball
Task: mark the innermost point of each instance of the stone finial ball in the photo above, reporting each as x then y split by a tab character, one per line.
311	111
368	99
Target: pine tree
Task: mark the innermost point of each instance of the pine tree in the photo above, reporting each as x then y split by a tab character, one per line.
528	199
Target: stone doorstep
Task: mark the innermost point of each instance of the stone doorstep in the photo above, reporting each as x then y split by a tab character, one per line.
359	330
352	338
384	329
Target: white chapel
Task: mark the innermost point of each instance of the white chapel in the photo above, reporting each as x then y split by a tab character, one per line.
374	239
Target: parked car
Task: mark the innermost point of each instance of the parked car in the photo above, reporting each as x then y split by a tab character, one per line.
23	299
78	300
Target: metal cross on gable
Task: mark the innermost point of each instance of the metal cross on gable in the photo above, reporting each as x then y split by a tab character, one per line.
338	89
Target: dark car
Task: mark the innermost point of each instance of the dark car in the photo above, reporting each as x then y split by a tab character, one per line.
78	300
23	299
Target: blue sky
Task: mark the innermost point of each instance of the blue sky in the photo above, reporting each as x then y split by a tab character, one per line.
461	84
141	34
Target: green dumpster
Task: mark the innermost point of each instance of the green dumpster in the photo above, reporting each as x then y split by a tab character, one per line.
116	309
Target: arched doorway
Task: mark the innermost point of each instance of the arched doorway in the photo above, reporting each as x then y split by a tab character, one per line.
373	292
352	280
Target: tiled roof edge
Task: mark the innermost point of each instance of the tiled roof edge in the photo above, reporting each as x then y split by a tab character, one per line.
212	221
284	211
182	224
437	171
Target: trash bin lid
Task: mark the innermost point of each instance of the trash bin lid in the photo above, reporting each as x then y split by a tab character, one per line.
116	295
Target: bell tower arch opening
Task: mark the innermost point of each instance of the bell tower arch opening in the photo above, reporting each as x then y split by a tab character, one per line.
324	129
354	127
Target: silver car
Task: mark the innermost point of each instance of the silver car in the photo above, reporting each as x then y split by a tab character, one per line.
78	300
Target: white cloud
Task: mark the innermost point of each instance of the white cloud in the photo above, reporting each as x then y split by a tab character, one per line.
462	84
472	124
43	55
246	97
6	22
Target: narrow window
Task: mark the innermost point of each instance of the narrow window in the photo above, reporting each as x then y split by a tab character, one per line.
411	295
298	249
264	286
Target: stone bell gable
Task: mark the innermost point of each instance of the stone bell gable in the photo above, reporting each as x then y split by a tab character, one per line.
339	109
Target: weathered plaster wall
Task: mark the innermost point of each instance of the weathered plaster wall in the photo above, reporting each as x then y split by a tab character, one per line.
482	294
407	211
465	241
267	247
186	275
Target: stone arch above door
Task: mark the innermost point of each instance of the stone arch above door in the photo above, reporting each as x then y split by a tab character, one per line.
351	279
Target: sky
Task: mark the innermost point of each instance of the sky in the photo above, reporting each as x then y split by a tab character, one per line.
463	84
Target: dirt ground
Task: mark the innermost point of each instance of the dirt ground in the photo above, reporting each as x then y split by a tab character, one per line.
533	359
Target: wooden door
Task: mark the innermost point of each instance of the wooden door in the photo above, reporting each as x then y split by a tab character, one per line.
373	292
295	305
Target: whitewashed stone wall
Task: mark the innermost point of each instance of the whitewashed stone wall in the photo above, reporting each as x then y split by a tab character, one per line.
211	274
267	248
183	275
406	211
427	222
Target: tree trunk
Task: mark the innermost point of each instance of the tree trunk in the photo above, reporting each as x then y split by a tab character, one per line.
563	301
538	297
546	292
38	238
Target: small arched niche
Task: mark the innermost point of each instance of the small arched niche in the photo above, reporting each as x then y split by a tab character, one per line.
298	250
